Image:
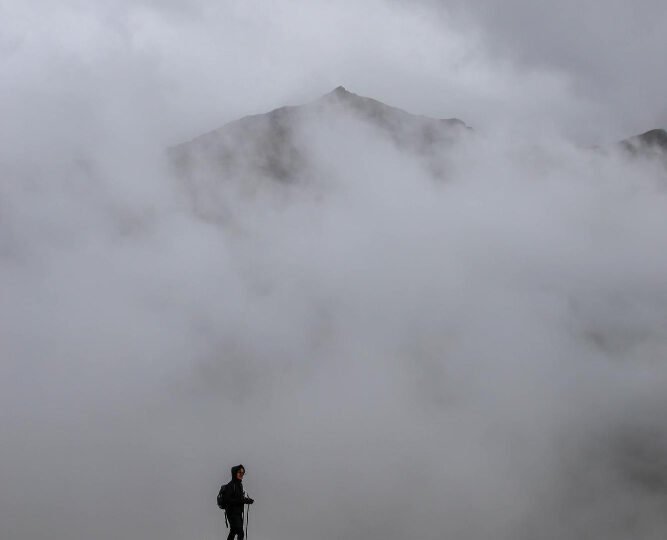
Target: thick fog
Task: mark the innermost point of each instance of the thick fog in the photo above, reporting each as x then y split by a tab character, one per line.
464	345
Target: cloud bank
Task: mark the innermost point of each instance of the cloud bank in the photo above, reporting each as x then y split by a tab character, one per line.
478	354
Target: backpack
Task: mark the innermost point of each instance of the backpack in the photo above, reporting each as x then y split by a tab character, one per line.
221	497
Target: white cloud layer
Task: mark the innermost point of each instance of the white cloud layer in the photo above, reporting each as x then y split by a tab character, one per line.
389	354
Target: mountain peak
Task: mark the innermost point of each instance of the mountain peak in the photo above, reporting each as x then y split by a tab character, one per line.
655	137
340	93
273	145
374	109
647	143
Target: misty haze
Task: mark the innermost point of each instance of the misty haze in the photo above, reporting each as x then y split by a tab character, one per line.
405	261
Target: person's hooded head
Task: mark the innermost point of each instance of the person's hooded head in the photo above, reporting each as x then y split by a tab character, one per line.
237	473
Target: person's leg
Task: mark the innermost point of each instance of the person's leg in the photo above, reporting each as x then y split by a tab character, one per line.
235	526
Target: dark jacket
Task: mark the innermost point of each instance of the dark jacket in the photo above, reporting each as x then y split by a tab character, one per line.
233	495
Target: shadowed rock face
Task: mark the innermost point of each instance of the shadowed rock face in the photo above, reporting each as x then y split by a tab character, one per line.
650	144
268	145
407	130
258	145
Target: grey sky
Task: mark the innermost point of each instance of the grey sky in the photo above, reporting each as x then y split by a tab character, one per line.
388	353
611	50
592	72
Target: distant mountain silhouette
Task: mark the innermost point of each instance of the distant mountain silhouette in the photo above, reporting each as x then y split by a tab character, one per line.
278	146
651	143
268	144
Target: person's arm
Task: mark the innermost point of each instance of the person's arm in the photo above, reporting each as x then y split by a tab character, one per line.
236	496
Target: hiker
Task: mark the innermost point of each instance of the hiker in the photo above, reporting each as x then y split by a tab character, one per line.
233	499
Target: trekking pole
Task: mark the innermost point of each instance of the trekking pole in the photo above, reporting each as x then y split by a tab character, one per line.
247	521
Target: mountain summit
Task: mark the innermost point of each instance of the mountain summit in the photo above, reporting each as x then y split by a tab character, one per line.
647	144
271	145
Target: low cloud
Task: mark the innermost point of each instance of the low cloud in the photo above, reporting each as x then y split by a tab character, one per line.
463	344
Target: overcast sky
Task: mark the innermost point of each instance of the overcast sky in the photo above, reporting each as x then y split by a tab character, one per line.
592	70
387	353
